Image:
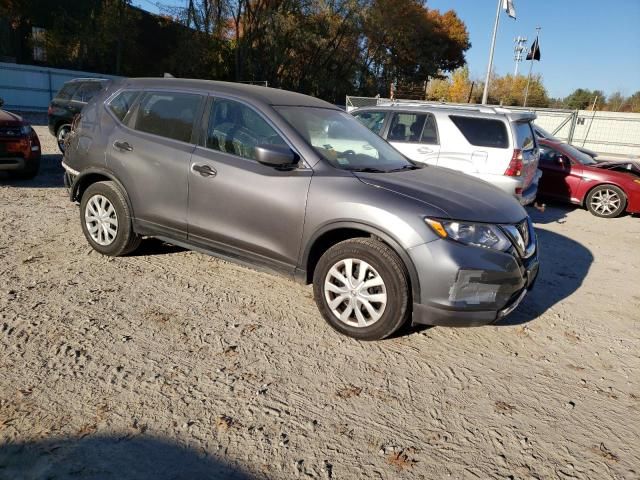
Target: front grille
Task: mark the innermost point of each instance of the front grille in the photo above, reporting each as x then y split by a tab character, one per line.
523	228
522	238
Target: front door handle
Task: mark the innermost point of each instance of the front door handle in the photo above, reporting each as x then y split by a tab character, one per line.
123	146
204	170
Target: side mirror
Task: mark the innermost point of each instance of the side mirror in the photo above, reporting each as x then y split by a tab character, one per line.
276	155
1	102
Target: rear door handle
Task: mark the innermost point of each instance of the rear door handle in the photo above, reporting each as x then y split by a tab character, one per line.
424	150
204	170
123	146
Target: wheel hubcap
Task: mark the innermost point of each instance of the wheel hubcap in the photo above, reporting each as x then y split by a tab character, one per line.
355	292
605	202
101	220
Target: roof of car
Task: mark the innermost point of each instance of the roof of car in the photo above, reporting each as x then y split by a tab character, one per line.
470	109
265	95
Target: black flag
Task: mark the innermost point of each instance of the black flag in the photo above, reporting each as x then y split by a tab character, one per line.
534	53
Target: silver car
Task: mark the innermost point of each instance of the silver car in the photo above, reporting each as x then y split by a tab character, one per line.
290	183
494	144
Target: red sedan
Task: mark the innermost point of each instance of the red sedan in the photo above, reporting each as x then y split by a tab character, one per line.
19	146
606	189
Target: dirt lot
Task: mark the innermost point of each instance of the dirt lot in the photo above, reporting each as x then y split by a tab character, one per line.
172	364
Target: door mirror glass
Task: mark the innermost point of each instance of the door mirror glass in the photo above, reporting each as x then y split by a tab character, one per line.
275	155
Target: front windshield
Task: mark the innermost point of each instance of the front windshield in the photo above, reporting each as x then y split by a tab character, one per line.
343	141
579	156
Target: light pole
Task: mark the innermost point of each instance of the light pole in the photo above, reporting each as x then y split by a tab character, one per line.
518	50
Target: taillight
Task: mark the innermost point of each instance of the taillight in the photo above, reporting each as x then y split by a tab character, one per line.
515	165
50	110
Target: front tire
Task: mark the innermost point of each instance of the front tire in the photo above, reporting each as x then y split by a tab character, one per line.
606	201
106	220
361	289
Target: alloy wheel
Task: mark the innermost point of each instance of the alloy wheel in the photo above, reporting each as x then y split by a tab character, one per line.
605	202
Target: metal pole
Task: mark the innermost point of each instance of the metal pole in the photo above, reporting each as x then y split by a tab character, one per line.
485	94
526	92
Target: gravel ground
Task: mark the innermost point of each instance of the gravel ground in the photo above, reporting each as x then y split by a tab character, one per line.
173	364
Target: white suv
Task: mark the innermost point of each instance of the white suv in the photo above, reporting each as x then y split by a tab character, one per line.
495	144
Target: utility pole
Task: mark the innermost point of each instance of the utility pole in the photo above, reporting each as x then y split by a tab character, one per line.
526	92
518	50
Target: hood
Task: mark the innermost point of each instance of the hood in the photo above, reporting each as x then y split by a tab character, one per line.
8	119
461	196
629	166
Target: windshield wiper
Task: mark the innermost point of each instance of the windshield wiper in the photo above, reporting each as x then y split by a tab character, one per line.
367	170
406	167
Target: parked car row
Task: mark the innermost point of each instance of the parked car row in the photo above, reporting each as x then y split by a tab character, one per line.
293	184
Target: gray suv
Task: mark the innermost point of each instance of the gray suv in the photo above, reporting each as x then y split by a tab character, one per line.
290	183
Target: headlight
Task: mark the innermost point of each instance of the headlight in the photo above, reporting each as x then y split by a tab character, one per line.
478	234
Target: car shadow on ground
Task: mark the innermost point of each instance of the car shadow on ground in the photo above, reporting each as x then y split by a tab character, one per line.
50	175
112	457
153	246
564	264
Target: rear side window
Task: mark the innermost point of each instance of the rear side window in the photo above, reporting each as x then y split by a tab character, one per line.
372	120
413	128
168	114
122	103
67	91
524	136
237	129
87	91
482	132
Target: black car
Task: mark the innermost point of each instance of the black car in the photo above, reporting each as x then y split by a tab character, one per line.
68	102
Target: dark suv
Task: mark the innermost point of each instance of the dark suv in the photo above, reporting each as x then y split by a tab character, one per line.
68	102
291	183
19	146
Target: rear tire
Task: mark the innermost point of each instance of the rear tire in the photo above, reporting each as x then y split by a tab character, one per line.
61	135
106	220
361	289
606	201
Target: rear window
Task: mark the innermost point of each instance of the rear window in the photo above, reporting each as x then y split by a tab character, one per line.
122	103
168	114
87	91
524	136
67	91
482	132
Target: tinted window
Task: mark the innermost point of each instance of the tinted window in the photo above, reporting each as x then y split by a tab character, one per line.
372	120
87	91
237	129
169	115
67	91
524	136
548	155
482	132
122	103
413	128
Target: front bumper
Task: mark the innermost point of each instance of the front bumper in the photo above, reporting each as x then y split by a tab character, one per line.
11	164
465	286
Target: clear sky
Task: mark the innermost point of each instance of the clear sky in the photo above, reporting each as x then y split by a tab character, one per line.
592	44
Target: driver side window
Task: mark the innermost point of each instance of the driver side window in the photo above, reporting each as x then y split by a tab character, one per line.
548	156
236	129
